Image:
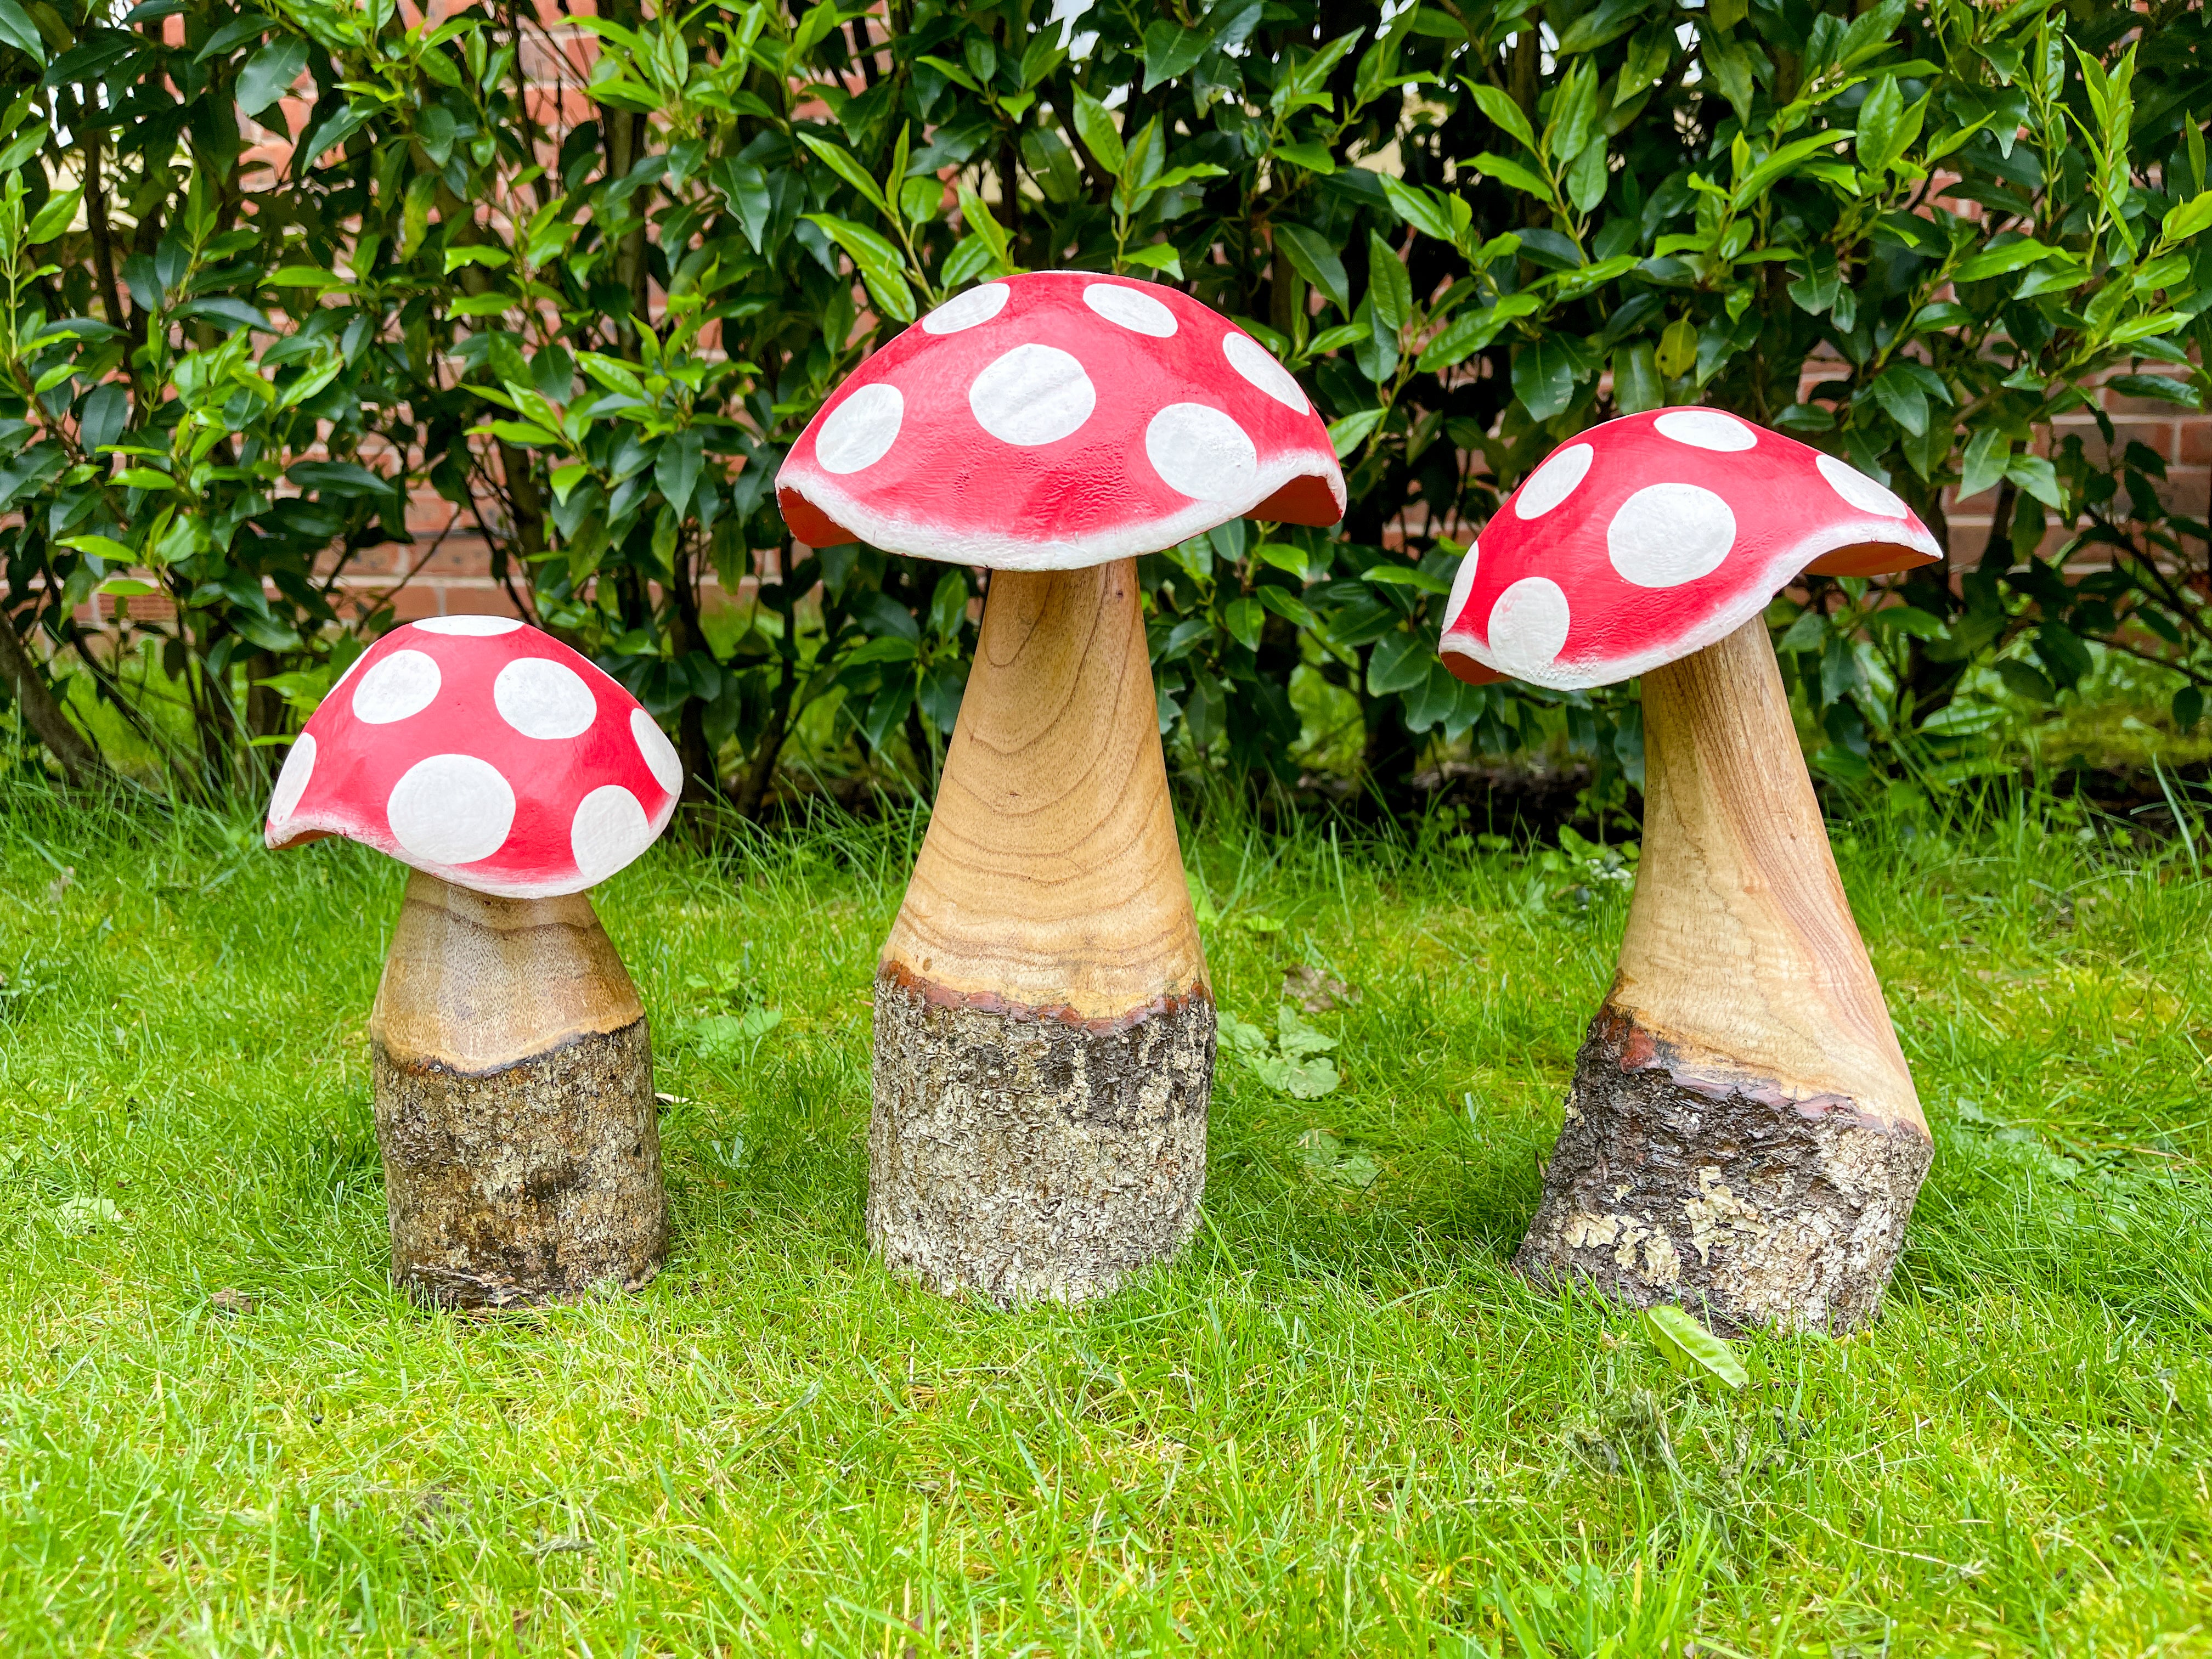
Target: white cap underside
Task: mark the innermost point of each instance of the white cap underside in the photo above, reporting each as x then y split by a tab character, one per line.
1746	602
997	550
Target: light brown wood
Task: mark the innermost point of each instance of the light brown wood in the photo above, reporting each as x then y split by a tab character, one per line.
513	1074
1741	952
473	982
1051	878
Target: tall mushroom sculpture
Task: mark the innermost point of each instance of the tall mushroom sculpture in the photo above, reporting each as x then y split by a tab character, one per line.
513	1067
1044	1031
1742	1133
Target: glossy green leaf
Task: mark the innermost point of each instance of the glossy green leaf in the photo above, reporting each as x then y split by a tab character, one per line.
1312	258
841	162
1289	607
1388	284
1513	173
1544	376
1314	157
1404	575
54	218
1988	452
881	265
1418	208
1998	259
1157	256
1095	126
1348	434
1244	618
1685	1343
1503	113
105	547
19	32
270	73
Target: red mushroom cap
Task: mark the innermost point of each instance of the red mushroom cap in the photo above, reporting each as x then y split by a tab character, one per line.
1653	536
484	752
1055	420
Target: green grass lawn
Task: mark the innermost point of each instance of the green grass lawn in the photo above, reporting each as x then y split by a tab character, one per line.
1338	1426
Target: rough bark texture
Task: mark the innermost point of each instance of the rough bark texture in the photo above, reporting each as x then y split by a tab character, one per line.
1044	1032
514	1076
1743	1134
1028	1156
1750	1207
536	1181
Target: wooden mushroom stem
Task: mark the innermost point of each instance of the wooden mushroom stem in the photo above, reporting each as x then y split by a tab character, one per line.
1742	1133
1044	1031
513	1084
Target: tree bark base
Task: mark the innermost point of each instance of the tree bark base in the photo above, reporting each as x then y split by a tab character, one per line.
1750	1208
1021	1155
531	1182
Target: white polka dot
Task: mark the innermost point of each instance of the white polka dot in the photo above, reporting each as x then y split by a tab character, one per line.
1705	428
660	754
1201	453
1861	491
1035	394
398	685
861	431
963	311
1553	482
1462	585
610	829
472	627
292	781
450	809
1667	534
1256	364
1133	309
542	698
1528	626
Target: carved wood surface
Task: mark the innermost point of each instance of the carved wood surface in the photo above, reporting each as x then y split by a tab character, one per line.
1051	878
1741	953
515	1108
472	982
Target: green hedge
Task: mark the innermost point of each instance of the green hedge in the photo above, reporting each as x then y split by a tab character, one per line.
1909	234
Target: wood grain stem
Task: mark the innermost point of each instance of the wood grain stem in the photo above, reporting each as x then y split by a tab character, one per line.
514	1104
1051	878
1741	952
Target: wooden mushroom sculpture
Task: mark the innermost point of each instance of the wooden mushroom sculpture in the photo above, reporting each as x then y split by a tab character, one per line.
513	1068
1044	1031
1742	1134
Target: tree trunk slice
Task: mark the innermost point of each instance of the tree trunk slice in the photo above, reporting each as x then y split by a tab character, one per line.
1023	1156
1752	1209
513	1083
1743	1132
1044	1027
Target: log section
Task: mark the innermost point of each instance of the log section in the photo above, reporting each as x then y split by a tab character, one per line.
1743	1134
513	1083
1044	1028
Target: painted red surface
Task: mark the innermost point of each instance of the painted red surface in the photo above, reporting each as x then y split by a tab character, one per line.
484	752
1648	538
1055	420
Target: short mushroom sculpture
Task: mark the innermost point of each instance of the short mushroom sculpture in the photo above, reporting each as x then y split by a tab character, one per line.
1044	1032
513	1067
1743	1134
